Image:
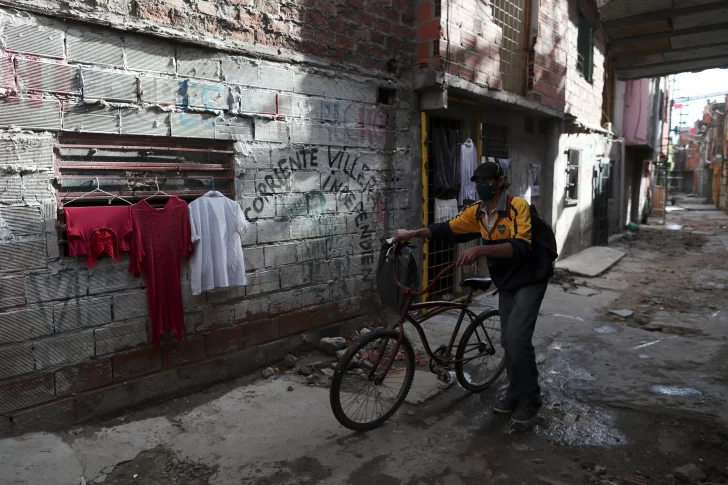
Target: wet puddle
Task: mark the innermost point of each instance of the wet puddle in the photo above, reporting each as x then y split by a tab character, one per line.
605	329
675	391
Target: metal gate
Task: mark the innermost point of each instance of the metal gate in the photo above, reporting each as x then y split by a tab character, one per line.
600	202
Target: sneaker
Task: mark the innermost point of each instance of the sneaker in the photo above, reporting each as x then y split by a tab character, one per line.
505	405
526	411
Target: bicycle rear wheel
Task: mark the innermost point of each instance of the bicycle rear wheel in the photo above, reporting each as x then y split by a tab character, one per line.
480	359
364	393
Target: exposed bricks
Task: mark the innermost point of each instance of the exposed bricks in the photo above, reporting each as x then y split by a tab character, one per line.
261	331
224	341
136	363
82	377
175	354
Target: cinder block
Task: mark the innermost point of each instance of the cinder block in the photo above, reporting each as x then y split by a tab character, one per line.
16	360
154	388
263	282
120	329
24	153
344	288
25	324
312	249
285	301
257	102
144	122
324	226
12	292
63	349
306	134
277	79
271	183
6	427
94	47
198	63
240	363
192	125
227	295
136	363
273	231
206	95
129	305
124	342
161	90
261	331
191	349
271	131
250	237
75	314
234	128
259	207
324	271
277	256
294	323
23	220
254	258
34	39
22	255
305	181
143	54
102	402
251	309
36	188
82	377
60	286
91	119
49	77
291	205
315	295
48	417
320	203
25	392
306	83
218	317
109	85
294	106
248	157
239	70
31	113
106	277
295	276
225	341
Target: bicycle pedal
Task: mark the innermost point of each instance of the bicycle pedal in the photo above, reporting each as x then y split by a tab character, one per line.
444	377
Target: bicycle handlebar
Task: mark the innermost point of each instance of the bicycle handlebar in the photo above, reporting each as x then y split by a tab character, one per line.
409	290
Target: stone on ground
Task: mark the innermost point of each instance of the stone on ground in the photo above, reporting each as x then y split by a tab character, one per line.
592	261
290	361
269	372
689	473
622	313
331	344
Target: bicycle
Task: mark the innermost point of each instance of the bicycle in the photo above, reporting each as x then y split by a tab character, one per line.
382	358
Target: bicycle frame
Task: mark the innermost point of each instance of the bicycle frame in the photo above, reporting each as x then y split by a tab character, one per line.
436	308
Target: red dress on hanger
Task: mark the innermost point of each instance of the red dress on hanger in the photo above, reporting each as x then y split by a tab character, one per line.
161	239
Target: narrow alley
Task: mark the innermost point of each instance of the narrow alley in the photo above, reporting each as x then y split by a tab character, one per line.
635	400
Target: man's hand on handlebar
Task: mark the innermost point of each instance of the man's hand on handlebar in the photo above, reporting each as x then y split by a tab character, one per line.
402	236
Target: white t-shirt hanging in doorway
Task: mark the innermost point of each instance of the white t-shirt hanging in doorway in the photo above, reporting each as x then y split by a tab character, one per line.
468	164
217	224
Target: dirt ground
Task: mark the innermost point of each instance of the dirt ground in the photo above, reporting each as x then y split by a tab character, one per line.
627	400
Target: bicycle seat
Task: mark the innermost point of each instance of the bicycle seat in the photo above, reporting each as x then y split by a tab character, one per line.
481	284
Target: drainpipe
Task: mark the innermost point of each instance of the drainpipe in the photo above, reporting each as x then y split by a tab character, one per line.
622	163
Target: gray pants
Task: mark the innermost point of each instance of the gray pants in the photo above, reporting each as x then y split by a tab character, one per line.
518	313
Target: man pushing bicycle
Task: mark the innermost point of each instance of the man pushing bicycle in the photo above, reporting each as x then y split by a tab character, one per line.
520	250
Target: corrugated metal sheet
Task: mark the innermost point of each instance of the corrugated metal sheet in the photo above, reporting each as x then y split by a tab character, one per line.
27	392
94	48
162	90
38	114
25	324
21	153
192	125
79	118
12	291
34	39
109	85
22	255
23	220
144	122
198	63
150	56
16	360
47	76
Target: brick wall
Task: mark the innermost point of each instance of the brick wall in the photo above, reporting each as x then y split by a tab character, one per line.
322	172
371	34
460	38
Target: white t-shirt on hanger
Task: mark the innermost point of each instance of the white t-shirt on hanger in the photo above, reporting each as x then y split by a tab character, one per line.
468	164
217	224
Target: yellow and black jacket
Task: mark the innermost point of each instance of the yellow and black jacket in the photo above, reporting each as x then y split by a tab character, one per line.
511	223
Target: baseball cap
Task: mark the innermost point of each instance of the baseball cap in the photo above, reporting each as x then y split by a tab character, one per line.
487	170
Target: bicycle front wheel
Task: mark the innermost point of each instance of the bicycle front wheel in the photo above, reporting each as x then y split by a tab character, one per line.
366	391
480	359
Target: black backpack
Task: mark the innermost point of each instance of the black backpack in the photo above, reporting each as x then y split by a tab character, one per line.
541	232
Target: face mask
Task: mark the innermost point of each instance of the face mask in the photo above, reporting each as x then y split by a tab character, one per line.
485	191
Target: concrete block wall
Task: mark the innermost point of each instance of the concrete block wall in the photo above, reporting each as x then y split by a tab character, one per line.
322	172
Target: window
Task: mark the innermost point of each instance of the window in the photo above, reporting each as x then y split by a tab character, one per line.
133	167
585	47
572	176
530	125
495	141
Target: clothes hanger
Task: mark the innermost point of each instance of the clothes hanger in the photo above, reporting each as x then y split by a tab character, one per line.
212	180
97	189
158	191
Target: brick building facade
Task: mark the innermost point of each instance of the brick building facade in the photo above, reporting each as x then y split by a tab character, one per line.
319	105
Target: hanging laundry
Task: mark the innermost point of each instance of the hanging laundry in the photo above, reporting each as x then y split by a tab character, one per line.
445	209
160	241
468	164
217	225
447	158
96	230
